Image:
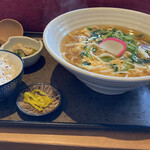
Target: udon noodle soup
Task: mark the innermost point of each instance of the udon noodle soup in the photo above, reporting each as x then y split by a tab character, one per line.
81	48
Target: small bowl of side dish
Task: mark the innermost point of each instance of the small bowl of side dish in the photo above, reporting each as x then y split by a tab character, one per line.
11	71
27	48
38	99
82	34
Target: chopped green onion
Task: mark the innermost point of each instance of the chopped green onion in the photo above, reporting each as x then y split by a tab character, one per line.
84	53
114	29
127	66
90	29
106	59
145	61
99	41
94	49
134	58
86	63
119	34
128	37
85	47
114	67
140	35
147	51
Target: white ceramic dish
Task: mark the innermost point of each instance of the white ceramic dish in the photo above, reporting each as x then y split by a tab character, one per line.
60	26
28	42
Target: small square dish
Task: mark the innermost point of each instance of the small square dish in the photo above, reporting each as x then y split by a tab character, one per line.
38	99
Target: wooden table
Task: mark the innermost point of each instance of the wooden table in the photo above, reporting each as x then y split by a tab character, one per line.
71	139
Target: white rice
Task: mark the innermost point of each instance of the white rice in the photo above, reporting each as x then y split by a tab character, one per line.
7	71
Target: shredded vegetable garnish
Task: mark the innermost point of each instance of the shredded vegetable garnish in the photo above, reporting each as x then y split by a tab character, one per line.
82	48
37	99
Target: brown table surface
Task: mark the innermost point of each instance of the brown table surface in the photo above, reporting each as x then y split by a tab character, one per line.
23	138
35	137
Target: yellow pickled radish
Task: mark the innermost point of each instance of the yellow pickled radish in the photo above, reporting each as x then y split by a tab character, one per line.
38	99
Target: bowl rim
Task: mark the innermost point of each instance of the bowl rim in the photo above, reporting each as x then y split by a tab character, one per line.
82	71
29	38
37	115
20	71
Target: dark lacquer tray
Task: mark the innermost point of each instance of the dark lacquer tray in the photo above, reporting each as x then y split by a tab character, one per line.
81	107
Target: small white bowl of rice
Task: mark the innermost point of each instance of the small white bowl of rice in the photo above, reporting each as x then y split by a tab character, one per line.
82	30
11	71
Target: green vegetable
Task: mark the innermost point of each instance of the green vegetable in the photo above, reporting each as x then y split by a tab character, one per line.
90	29
94	49
104	30
133	48
106	59
147	51
99	41
131	43
127	66
139	61
140	35
85	47
84	53
119	34
144	61
134	58
19	52
114	29
96	33
110	33
114	67
86	63
128	37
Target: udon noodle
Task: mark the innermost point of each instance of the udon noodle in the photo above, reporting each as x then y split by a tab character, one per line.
81	49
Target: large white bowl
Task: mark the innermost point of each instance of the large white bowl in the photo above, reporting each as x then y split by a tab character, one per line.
60	26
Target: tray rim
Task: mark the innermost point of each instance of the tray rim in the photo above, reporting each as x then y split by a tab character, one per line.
69	125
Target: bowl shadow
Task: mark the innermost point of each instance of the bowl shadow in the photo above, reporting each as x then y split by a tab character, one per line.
37	66
84	105
8	105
